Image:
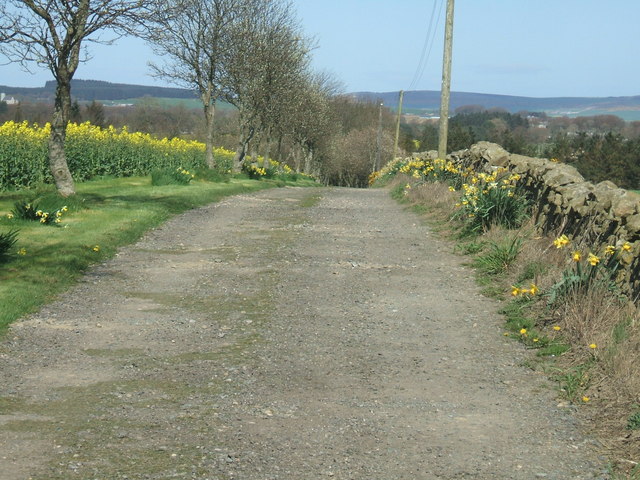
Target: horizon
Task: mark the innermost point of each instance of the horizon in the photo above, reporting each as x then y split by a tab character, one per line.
343	93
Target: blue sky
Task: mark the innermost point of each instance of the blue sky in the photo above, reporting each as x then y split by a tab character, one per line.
540	48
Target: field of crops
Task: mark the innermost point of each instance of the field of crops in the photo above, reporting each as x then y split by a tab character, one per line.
94	152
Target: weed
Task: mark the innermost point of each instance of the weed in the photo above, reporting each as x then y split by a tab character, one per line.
7	241
171	176
499	257
634	421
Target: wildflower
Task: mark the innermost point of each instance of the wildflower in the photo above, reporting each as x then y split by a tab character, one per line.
585	399
22	251
556	328
535	340
626	247
593	259
451	189
593	346
534	289
561	241
9	215
515	291
523	331
576	256
609	250
96	248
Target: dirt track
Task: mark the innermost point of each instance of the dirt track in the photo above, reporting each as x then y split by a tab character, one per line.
291	334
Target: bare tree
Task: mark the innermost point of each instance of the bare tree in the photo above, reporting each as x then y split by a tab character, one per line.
267	66
49	34
193	38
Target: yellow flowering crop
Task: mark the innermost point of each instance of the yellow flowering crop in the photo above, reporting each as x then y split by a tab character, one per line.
92	151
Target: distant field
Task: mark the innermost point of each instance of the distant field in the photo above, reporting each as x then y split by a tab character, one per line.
165	102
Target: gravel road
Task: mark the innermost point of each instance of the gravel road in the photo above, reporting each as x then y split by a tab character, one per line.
289	334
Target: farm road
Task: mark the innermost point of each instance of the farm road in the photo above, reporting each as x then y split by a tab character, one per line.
289	334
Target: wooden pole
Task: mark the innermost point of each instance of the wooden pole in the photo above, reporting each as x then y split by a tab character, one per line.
446	82
395	145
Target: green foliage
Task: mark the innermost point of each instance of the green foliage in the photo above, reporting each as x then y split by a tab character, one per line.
171	176
633	423
499	256
600	157
574	381
495	206
7	241
29	210
583	275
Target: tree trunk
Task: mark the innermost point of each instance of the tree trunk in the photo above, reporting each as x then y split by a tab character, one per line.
209	115
308	161
57	157
246	134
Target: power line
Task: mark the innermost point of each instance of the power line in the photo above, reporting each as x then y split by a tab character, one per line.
428	45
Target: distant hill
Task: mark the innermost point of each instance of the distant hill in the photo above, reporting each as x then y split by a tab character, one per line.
88	90
423	102
426	101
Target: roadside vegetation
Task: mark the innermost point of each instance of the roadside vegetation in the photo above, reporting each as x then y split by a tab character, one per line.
559	297
40	259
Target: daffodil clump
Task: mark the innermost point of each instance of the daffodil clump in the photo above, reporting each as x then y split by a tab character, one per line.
420	169
93	151
30	211
588	267
254	171
492	198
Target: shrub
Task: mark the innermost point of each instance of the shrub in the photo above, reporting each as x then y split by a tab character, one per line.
169	176
31	211
7	241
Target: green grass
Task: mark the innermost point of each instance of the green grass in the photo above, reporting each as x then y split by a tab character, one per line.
104	215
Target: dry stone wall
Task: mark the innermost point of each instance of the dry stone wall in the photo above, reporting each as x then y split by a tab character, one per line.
592	214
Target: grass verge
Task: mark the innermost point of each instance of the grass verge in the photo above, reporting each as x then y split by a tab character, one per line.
586	336
103	216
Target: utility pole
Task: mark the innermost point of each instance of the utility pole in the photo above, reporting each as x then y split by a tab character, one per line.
446	82
377	166
395	145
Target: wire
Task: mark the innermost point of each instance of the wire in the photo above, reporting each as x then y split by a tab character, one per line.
428	45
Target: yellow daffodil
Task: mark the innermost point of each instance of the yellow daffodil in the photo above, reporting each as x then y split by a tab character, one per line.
515	291
626	247
609	250
96	248
576	256
22	251
593	259
561	242
534	289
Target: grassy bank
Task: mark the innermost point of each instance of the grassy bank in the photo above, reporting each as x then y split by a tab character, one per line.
103	216
559	298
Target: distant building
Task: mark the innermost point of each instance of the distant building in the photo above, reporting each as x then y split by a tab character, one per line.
8	100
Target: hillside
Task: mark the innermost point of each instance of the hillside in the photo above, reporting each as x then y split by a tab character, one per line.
88	90
427	101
